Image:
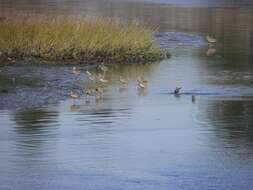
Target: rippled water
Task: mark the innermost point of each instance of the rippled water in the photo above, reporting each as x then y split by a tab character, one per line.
139	139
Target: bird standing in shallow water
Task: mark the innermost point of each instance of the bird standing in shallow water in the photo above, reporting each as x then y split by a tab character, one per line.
74	95
210	52
141	85
193	98
88	73
88	91
76	71
211	39
122	81
99	91
103	80
103	67
177	90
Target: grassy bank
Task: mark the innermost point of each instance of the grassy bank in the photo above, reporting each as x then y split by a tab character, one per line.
85	41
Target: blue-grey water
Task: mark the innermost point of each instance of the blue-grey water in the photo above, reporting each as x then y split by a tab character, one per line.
136	139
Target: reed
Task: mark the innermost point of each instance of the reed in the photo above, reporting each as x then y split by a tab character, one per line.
82	40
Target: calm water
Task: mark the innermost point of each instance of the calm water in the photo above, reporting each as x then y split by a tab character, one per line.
147	139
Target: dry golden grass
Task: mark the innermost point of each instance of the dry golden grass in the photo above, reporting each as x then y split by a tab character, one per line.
84	40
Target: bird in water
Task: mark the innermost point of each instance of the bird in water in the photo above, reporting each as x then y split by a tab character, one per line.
88	73
123	81
103	68
88	91
142	80
177	90
99	91
74	95
193	98
76	71
103	80
210	39
210	52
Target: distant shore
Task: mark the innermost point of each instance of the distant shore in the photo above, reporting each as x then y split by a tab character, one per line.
85	41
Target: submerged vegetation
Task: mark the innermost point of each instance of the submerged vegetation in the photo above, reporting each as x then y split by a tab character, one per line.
82	40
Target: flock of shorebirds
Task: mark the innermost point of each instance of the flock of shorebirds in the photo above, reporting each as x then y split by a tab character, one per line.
101	80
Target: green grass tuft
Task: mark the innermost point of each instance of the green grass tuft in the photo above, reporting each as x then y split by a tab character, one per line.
82	40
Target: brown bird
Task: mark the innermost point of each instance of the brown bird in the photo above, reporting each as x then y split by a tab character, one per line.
76	71
193	98
99	91
210	52
142	80
123	81
210	39
141	85
103	80
103	67
177	90
88	73
74	95
92	78
88	91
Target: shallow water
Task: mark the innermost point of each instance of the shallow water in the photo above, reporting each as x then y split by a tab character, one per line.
137	139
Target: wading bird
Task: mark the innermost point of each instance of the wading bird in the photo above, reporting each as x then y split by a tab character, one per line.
211	39
141	85
92	78
103	80
74	95
210	52
142	80
193	98
123	81
76	71
88	73
88	91
177	90
103	67
99	91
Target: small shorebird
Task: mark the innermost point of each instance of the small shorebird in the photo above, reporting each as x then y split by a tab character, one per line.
193	98
92	78
142	80
210	39
74	95
99	91
123	81
76	71
103	67
177	90
88	73
103	80
88	91
210	52
141	85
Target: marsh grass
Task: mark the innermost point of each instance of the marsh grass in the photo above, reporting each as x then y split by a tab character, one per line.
83	40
